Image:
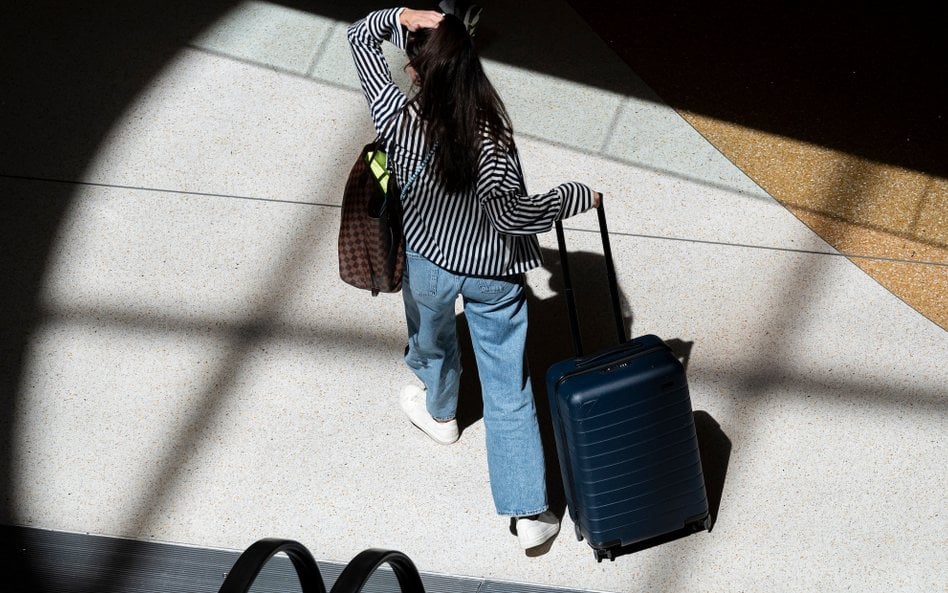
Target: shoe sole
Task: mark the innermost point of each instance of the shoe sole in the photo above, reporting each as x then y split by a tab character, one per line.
539	540
432	437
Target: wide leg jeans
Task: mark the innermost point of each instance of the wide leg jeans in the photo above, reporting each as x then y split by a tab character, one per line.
496	312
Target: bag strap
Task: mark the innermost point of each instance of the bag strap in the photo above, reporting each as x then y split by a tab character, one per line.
423	164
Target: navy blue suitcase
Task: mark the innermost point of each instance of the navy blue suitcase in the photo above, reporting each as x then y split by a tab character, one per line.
625	434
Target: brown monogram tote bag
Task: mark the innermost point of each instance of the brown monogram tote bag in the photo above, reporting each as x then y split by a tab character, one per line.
371	244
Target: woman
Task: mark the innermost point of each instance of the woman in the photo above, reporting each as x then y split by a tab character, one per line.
470	229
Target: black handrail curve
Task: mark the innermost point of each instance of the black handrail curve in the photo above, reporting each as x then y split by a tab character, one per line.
251	562
358	571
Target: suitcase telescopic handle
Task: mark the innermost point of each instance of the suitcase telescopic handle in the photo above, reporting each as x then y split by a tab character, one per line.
610	275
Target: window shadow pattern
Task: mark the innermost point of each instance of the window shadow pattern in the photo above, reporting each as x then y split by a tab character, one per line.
76	68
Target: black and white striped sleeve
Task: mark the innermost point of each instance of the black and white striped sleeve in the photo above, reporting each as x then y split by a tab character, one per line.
511	210
365	40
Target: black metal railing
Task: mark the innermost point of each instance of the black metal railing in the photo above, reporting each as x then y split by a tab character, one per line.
353	578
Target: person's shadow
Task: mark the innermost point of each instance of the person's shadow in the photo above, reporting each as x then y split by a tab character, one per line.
549	341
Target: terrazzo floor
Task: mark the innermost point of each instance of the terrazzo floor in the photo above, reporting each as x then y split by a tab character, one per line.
182	364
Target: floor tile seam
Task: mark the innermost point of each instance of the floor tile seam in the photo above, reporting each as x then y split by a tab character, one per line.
338	206
761	195
586	151
319	53
166	191
865	225
246	61
613	126
277	69
839	254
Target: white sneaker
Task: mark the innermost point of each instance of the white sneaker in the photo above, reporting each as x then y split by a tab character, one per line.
413	403
533	532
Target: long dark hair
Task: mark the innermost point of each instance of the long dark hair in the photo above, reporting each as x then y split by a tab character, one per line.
455	100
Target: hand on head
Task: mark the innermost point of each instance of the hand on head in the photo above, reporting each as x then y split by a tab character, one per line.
420	19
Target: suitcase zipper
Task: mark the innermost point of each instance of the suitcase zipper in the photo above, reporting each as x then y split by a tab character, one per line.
609	366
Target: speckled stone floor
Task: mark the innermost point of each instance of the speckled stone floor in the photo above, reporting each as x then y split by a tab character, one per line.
181	363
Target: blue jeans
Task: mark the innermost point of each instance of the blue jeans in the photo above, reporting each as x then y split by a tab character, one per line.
496	312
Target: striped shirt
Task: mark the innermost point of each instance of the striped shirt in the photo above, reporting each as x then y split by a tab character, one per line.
489	229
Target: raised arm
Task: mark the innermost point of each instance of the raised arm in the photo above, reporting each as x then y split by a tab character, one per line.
365	36
365	40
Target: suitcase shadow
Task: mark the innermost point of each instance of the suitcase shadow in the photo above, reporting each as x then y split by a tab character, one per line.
715	449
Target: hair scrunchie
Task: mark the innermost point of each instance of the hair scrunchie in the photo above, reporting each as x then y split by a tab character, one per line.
468	12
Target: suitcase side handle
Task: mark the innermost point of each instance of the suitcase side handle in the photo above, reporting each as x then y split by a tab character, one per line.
610	276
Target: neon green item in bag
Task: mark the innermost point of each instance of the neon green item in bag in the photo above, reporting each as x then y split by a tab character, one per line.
377	163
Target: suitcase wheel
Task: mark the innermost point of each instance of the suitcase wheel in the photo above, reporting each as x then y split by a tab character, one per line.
702	525
608	553
579	534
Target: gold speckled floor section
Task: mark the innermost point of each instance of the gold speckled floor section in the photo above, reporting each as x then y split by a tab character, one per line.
892	222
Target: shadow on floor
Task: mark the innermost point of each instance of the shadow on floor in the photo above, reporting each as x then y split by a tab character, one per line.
867	79
549	342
